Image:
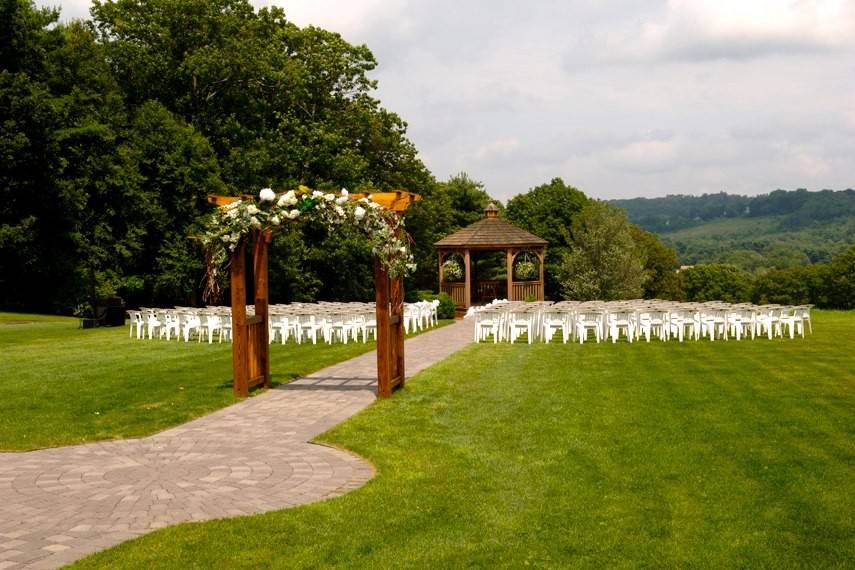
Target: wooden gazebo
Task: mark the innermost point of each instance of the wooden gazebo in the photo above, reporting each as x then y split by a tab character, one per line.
490	234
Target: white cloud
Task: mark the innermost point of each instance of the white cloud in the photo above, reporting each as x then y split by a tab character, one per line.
497	149
647	155
739	29
349	18
620	98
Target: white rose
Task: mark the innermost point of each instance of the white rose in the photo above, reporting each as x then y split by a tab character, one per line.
359	213
293	213
232	213
254	222
251	210
267	195
339	210
402	249
317	194
329	197
275	220
344	192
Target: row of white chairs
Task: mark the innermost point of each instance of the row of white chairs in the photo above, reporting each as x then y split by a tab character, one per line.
502	320
302	322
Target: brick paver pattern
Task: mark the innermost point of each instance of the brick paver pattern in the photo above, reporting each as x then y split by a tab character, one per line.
58	505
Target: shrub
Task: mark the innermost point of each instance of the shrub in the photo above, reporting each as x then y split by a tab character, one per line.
715	282
446	303
783	286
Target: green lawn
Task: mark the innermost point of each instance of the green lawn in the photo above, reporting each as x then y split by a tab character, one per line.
60	385
701	454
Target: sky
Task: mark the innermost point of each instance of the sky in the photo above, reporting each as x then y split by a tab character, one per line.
620	98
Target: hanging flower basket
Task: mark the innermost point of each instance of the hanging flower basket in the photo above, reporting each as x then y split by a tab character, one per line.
525	270
452	270
228	227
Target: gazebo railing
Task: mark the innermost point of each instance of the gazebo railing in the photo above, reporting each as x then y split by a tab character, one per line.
522	290
489	290
457	292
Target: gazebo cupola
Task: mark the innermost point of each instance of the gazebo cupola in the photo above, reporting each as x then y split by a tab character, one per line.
487	235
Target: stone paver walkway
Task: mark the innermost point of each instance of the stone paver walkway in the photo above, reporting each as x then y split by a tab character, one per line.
58	505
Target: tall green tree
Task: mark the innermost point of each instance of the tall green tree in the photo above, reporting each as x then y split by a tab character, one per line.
604	262
842	286
445	208
114	131
548	211
716	282
660	266
37	252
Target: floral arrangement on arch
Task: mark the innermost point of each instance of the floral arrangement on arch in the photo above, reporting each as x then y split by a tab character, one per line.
229	225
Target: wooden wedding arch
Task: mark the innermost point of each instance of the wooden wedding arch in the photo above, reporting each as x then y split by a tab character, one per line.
250	346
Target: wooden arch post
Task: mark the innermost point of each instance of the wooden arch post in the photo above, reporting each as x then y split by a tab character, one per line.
389	300
250	346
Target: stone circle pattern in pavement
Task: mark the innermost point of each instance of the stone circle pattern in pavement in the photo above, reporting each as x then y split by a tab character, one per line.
59	505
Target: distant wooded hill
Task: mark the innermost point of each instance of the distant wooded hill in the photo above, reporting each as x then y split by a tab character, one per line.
776	230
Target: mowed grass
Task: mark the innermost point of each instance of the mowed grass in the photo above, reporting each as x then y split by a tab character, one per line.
60	385
703	454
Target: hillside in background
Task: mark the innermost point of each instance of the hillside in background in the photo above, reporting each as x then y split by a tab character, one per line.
776	230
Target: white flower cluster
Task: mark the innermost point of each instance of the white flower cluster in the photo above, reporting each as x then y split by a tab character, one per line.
229	225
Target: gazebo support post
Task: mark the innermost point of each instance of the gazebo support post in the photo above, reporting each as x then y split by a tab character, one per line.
467	293
542	289
509	264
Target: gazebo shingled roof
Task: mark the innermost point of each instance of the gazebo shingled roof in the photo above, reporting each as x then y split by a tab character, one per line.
491	232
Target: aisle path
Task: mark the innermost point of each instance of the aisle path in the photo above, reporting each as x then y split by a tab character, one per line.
58	505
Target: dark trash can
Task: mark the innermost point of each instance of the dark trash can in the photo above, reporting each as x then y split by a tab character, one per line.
110	312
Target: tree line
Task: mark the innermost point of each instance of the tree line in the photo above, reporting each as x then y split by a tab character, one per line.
795	208
114	130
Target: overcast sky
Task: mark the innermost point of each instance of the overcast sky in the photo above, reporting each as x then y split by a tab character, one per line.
620	98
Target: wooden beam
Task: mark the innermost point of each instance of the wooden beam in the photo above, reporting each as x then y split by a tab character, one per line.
262	350
240	364
396	289
384	346
224	200
396	201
